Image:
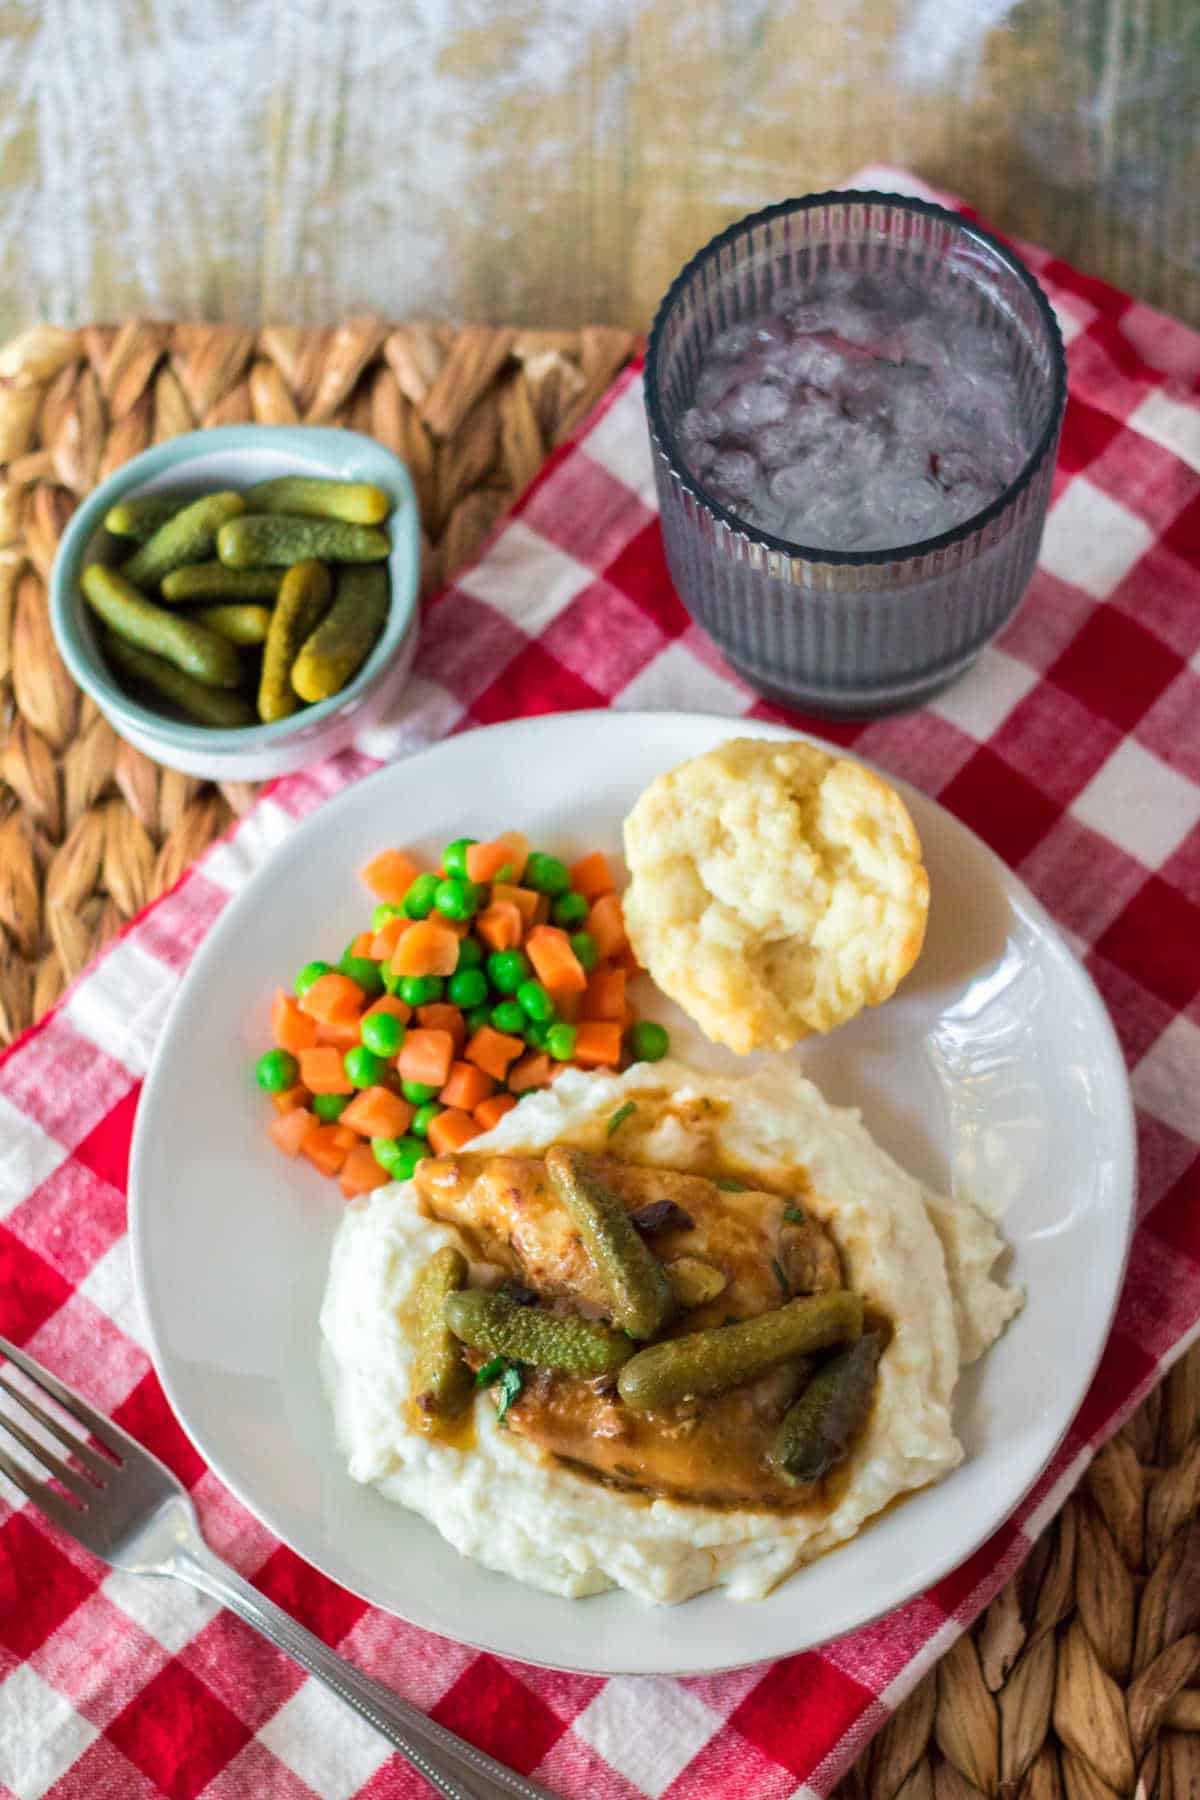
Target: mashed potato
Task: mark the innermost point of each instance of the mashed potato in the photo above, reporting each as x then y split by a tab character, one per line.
774	890
515	1508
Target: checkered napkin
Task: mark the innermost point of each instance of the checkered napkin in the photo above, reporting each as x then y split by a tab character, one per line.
1073	748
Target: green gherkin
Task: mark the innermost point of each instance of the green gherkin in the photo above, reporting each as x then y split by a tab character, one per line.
314	497
274	538
347	634
213	581
188	537
817	1431
638	1290
501	1327
141	517
729	1356
206	705
302	603
441	1382
199	652
242	622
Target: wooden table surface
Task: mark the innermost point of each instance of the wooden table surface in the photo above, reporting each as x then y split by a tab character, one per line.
554	161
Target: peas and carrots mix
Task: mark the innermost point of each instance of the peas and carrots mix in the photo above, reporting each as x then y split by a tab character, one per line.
474	984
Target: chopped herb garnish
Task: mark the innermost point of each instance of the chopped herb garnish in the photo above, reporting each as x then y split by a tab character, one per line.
511	1383
731	1187
780	1277
491	1371
619	1117
793	1215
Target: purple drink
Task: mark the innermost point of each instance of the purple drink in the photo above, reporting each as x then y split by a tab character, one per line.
859	412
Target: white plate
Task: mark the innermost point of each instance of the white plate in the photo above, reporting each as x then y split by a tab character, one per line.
994	1066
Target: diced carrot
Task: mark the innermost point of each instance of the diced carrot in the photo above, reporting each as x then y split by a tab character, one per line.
322	1071
533	1070
524	899
450	1130
388	1003
591	876
500	925
362	944
430	948
606	922
289	1131
491	1051
291	1029
291	1098
625	959
377	1112
333	999
605	997
486	861
383	943
550	952
467	1086
541	912
568	1005
344	1036
489	1112
598	1042
439	1015
518	844
390	875
326	1148
361	1173
344	1136
426	1056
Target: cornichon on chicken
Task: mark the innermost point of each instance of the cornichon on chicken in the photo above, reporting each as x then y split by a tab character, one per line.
303	599
818	1429
278	539
213	581
639	1293
441	1382
141	517
188	537
206	705
358	502
241	621
199	652
346	635
729	1356
501	1327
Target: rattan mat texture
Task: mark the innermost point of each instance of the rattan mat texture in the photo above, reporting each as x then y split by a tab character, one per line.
1083	1677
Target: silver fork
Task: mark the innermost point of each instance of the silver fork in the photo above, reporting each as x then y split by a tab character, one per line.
128	1509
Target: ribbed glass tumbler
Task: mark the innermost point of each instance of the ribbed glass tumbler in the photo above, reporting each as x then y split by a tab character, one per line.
844	632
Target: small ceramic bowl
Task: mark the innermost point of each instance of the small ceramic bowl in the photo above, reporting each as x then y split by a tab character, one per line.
235	456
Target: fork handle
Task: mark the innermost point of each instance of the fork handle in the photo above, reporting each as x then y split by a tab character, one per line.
452	1767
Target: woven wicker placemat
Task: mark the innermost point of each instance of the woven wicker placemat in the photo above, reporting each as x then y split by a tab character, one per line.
1077	1680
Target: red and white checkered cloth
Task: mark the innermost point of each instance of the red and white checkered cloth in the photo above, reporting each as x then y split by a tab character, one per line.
1073	748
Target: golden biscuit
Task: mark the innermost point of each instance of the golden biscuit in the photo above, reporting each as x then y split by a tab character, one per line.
775	890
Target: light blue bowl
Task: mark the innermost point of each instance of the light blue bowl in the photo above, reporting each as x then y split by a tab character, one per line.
235	456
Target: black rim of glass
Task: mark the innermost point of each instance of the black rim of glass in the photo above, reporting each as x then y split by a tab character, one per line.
666	442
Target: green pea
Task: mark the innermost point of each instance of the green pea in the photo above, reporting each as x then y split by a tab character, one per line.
276	1070
311	972
535	1002
382	1033
417	1092
454	857
363	1067
470	955
385	911
422	990
456	899
647	1041
507	969
423	1118
587	954
545	874
569	910
391	981
537	1036
418	902
509	1018
399	1156
560	1041
468	989
365	971
330	1107
477	1018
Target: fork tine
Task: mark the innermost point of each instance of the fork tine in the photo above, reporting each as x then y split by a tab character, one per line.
114	1440
53	1465
42	1496
99	1466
